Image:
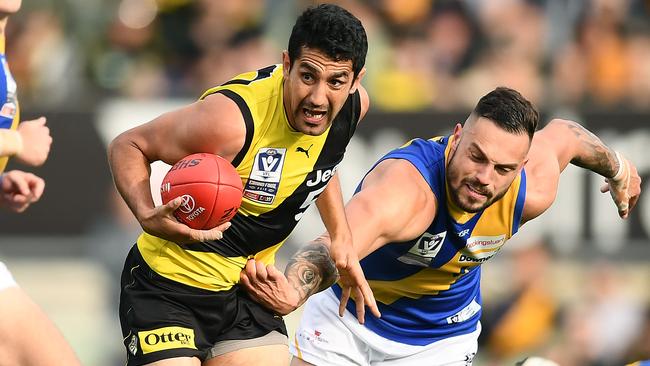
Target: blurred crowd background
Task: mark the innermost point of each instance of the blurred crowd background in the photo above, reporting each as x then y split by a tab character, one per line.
574	289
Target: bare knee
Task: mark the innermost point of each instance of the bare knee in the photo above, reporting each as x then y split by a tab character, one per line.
271	355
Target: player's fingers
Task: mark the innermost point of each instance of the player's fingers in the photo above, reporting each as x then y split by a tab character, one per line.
342	263
37	188
345	296
21	186
17	198
261	271
604	188
370	301
361	308
203	235
244	280
171	206
273	273
633	202
251	269
223	227
20	208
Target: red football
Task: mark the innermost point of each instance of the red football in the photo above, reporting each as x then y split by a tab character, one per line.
210	187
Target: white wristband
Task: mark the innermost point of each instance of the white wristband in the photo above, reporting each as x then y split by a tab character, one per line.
621	167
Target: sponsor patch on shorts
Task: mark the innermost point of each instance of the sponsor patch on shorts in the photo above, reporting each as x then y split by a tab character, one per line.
166	338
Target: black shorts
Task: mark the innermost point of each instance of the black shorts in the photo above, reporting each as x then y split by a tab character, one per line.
162	319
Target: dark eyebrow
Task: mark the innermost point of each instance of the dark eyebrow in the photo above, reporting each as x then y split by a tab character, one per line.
311	68
314	70
510	166
342	74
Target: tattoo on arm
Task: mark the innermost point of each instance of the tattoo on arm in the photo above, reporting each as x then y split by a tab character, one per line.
595	155
311	269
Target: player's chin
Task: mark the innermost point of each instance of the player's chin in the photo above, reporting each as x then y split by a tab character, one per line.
472	205
313	129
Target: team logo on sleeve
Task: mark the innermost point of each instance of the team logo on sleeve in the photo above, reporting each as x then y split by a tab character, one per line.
424	250
264	179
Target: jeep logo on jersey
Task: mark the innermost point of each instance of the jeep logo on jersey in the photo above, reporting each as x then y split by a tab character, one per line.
187	204
264	179
424	250
166	338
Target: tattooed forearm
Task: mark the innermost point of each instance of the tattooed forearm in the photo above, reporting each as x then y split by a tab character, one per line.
594	154
311	269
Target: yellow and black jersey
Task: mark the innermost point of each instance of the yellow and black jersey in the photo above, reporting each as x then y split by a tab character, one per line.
9	116
283	171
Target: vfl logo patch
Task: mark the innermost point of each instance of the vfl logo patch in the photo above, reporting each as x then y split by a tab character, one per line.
424	250
166	338
264	179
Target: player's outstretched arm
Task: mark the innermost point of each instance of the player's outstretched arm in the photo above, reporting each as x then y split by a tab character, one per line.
214	125
404	210
341	249
562	142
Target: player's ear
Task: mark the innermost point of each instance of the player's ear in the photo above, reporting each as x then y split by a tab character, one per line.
357	80
457	131
286	64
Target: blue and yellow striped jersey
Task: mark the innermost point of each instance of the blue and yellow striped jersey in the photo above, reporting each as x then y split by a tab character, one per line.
429	288
283	171
9	112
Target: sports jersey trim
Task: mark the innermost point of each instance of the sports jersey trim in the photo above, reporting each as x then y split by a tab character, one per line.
248	120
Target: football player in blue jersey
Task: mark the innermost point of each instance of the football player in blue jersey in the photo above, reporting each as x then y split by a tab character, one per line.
28	336
424	219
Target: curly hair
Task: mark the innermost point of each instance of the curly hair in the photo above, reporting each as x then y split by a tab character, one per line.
332	30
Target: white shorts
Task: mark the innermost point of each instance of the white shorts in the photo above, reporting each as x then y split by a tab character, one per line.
323	338
6	279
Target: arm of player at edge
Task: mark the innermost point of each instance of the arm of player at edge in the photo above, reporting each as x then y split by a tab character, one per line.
341	249
213	125
373	223
562	142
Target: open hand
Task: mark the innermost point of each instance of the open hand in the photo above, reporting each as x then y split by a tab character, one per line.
269	287
351	279
625	190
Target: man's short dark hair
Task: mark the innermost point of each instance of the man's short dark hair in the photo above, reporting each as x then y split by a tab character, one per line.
333	31
509	110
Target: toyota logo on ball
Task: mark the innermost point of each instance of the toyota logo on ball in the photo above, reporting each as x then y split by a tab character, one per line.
187	203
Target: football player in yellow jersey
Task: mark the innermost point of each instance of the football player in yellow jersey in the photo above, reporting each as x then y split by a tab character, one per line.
446	206
28	336
285	129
